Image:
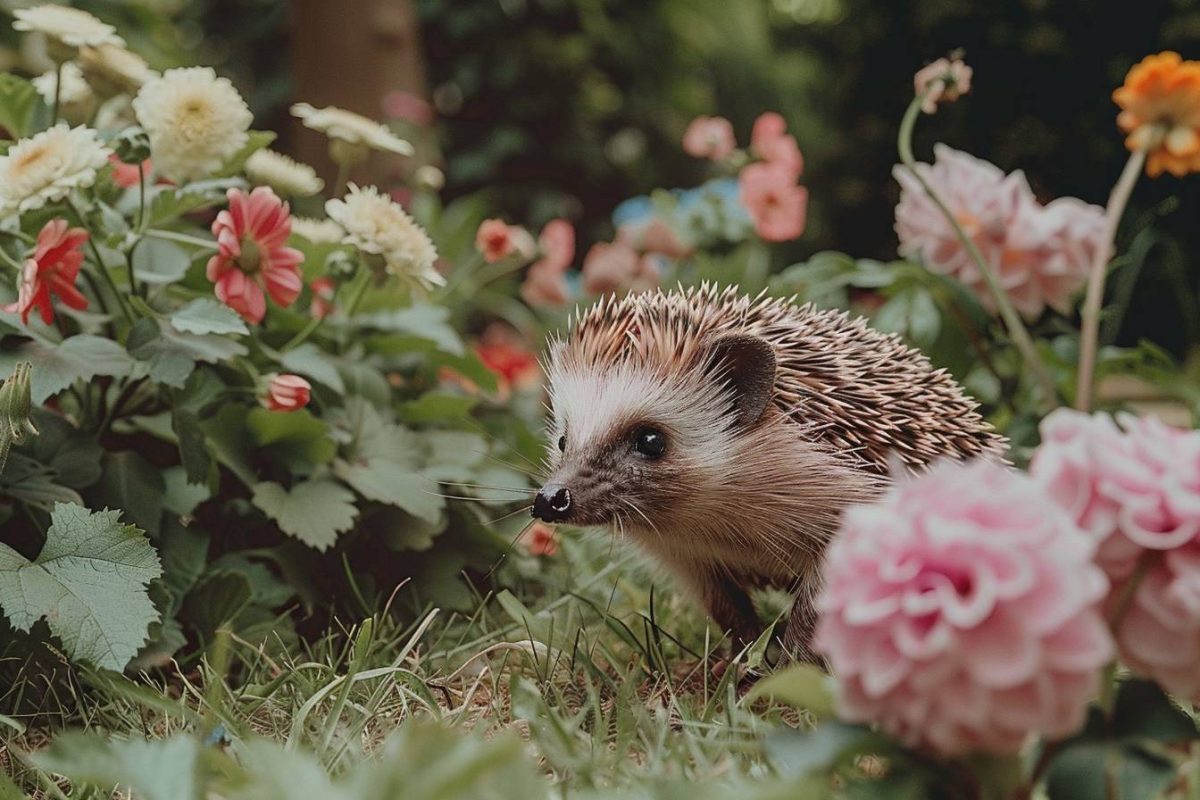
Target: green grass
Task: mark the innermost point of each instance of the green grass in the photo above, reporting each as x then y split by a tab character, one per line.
602	673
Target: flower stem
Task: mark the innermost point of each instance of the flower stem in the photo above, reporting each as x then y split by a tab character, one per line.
343	176
141	217
57	94
360	291
1116	617
1012	320
1090	314
182	238
100	266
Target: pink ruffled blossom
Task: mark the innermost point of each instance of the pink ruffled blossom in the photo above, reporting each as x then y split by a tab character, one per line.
709	137
652	235
1040	254
962	612
1133	484
497	240
252	260
617	267
770	141
545	282
777	206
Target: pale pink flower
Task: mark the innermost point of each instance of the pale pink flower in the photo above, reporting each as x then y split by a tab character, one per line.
943	81
252	259
771	142
653	236
126	175
497	240
962	612
556	243
617	267
1135	488
709	137
778	207
545	282
1040	254
286	393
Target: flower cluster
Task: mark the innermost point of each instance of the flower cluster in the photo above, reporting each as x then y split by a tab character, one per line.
962	612
1041	253
1133	484
943	81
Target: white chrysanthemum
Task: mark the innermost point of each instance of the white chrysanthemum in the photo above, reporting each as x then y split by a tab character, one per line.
355	129
46	167
195	121
376	224
113	70
70	26
317	231
283	174
75	99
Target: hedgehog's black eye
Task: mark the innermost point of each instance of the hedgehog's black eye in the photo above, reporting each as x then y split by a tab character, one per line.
650	442
562	444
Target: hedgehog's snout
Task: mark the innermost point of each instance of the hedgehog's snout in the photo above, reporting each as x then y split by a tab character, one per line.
552	503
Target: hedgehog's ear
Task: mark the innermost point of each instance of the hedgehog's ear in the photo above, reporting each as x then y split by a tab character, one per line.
747	366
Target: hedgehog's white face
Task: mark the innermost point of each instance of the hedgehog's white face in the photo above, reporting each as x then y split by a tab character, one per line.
630	444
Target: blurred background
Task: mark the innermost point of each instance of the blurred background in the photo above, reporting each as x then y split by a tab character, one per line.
567	107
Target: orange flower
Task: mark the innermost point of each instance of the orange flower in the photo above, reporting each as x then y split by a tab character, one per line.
1160	110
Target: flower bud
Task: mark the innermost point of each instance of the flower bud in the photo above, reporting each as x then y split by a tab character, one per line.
132	145
286	393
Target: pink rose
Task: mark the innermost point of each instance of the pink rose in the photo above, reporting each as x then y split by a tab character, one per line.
770	141
778	207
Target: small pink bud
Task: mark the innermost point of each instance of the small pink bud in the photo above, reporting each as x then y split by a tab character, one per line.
286	393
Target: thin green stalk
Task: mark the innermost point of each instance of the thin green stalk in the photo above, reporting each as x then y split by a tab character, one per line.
343	177
133	287
1012	320
57	94
141	215
182	238
1090	314
100	266
360	291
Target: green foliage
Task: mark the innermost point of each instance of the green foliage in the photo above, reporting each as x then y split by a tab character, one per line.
88	583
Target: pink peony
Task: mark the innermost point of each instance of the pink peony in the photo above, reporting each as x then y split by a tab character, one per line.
961	612
943	81
617	267
51	269
1135	488
545	283
778	207
1040	254
252	260
497	240
709	137
286	393
556	243
770	141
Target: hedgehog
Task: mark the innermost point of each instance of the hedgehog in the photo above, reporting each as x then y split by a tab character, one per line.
726	434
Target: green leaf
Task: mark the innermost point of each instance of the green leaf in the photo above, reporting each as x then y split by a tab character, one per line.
387	482
431	323
157	769
157	261
18	102
313	362
255	141
130	483
437	407
180	497
193	446
292	435
216	600
401	530
1141	775
35	483
89	583
278	772
1143	711
453	455
314	512
206	315
169	357
1079	772
801	686
823	748
55	367
73	456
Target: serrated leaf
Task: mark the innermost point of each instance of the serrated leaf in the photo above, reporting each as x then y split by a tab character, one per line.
294	435
313	362
314	511
88	583
453	455
387	482
73	456
437	407
55	367
33	482
431	323
161	769
169	357
208	316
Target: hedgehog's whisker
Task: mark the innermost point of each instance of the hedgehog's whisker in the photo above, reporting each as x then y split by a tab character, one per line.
496	564
522	509
513	489
649	522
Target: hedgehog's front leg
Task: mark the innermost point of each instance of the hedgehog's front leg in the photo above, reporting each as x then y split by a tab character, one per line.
802	622
728	604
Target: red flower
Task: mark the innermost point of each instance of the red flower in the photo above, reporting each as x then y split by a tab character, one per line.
770	141
51	269
777	205
323	290
539	539
251	257
286	393
504	352
497	240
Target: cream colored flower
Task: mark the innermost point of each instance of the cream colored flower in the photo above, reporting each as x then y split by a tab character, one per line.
282	173
195	120
113	70
355	132
317	231
76	102
46	167
66	26
376	224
